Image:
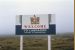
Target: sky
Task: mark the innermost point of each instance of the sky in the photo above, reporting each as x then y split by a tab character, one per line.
63	10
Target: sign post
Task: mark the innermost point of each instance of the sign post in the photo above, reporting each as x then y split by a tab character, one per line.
21	42
40	24
49	42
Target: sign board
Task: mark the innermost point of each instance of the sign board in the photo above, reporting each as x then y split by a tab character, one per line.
39	24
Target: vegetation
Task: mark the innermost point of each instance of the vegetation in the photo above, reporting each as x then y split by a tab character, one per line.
9	43
35	43
30	43
58	42
63	42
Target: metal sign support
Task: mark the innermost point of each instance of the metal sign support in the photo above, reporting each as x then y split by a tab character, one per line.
21	42
49	42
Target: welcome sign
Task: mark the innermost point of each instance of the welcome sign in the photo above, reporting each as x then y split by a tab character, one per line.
42	24
35	22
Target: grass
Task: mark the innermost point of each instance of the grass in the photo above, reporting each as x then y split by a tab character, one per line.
58	42
35	43
63	42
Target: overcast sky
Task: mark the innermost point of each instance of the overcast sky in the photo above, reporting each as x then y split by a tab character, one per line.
63	10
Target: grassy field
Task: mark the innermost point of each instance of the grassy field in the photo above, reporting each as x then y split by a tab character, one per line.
9	43
62	42
30	43
35	43
58	42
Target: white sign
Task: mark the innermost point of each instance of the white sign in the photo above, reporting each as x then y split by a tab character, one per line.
35	22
